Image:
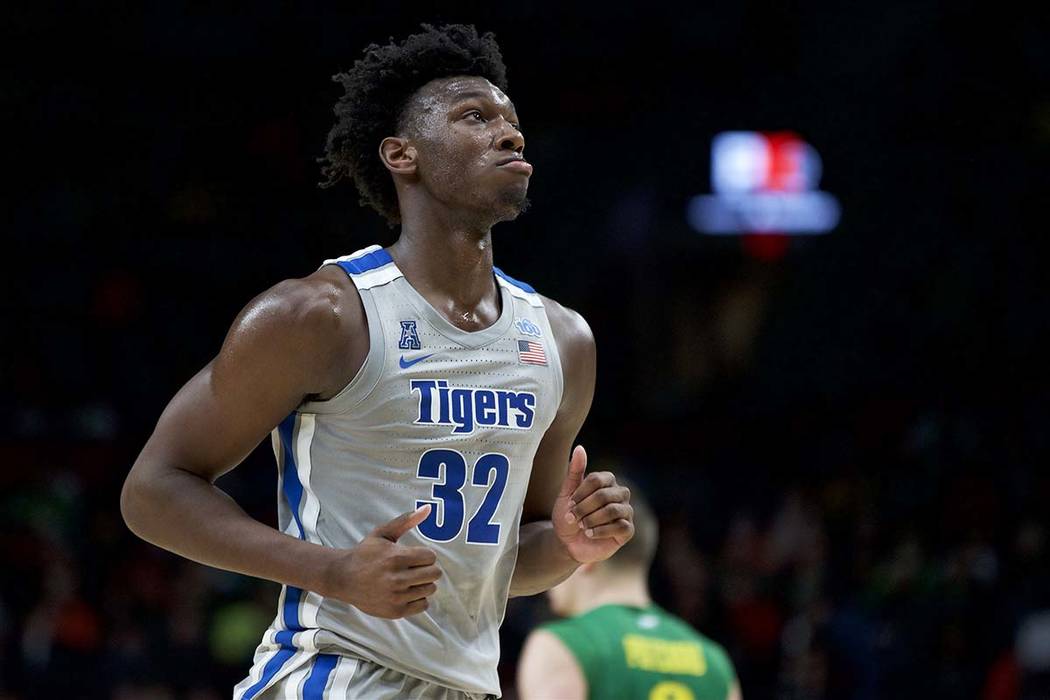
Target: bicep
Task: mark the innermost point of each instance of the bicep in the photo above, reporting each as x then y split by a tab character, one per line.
275	354
217	419
547	669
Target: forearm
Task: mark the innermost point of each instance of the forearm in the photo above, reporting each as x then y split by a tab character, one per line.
185	514
543	562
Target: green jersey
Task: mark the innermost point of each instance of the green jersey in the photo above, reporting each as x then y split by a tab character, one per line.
644	654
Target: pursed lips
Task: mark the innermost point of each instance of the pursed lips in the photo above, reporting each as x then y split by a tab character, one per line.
516	163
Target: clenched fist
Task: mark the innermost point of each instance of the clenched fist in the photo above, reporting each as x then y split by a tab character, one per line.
383	578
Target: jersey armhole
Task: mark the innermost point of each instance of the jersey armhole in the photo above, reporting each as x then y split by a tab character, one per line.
555	365
575	639
368	376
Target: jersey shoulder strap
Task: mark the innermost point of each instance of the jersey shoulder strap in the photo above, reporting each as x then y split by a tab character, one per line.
369	267
519	289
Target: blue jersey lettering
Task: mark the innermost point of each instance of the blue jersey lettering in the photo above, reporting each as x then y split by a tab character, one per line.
467	408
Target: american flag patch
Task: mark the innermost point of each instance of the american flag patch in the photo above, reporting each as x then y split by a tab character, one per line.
531	353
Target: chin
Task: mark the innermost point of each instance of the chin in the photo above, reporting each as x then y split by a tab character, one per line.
513	207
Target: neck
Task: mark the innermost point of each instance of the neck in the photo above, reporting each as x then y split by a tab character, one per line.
449	262
621	589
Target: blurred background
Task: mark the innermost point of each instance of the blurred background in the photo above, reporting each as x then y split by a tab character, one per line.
845	434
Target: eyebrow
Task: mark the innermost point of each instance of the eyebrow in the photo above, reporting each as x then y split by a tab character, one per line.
467	94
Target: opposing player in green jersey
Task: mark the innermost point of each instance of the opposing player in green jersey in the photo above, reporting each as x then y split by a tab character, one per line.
615	643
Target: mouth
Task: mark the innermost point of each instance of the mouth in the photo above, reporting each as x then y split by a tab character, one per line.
516	164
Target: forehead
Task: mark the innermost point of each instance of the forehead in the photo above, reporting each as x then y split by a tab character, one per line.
461	87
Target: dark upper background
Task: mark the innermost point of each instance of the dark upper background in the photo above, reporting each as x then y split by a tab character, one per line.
846	445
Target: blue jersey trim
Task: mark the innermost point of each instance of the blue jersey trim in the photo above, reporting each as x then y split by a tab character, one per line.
284	639
270	670
292	597
315	684
293	492
366	263
293	489
520	285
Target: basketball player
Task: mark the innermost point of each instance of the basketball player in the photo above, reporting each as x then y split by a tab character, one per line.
422	406
616	643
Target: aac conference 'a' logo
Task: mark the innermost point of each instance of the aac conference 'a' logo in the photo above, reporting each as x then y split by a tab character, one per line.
409	336
764	183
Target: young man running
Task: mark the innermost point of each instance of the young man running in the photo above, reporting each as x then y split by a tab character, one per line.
422	406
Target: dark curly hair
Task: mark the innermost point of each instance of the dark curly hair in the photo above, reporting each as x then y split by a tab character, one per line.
377	90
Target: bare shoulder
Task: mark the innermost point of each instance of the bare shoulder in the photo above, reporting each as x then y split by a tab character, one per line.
544	646
318	302
547	669
571	330
317	318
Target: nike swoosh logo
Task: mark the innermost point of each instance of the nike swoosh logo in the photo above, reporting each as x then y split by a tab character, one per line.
405	364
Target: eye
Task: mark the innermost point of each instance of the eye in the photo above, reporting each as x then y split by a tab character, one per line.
476	114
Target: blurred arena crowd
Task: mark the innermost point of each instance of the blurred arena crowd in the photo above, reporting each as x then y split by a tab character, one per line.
871	545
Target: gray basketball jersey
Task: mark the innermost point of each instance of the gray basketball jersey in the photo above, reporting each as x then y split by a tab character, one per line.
435	415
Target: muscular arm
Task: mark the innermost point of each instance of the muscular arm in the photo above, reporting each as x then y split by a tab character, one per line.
303	338
281	348
549	551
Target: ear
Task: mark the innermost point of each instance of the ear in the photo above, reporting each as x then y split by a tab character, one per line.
398	155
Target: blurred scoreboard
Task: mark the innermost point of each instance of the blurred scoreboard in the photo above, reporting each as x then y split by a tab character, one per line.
763	183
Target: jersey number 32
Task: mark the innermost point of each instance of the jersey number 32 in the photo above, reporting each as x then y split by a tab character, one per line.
445	521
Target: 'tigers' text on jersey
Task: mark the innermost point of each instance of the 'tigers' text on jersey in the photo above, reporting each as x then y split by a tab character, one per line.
468	408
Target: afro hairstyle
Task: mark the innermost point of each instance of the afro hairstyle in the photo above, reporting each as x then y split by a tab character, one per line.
376	92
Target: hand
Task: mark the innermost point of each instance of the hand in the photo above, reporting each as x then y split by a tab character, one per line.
383	578
592	516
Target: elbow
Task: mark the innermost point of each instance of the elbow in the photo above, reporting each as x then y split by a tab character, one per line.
128	495
134	502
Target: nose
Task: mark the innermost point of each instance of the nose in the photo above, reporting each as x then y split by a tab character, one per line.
511	139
